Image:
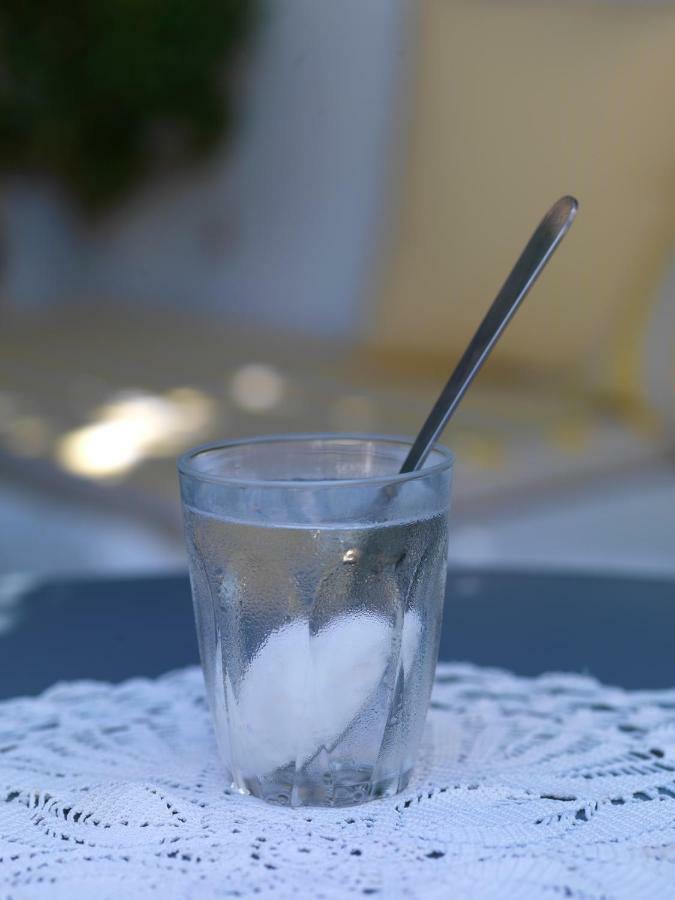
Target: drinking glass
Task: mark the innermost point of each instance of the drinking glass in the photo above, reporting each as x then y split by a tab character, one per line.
318	577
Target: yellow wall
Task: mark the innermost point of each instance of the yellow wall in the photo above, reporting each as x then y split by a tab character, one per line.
513	104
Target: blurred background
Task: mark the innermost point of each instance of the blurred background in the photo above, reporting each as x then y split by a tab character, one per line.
219	219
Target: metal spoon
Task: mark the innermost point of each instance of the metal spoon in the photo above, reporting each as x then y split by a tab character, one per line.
377	552
541	246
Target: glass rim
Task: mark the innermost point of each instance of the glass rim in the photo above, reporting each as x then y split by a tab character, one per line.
187	468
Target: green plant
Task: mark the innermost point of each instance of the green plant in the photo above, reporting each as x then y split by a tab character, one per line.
99	92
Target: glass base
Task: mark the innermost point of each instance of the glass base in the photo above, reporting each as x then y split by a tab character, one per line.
348	787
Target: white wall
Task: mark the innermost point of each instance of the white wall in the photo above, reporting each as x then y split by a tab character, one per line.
281	226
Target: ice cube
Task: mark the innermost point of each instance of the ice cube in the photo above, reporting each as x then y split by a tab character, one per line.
301	691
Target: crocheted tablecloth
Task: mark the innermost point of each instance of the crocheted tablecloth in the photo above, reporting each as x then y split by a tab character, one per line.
556	786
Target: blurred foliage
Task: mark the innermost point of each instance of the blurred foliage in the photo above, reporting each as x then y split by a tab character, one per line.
99	92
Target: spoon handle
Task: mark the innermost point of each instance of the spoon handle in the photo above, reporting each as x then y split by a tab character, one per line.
527	269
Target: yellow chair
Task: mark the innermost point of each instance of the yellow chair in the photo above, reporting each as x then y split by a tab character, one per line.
510	105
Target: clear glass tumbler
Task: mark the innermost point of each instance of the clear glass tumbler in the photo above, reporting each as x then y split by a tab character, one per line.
318	577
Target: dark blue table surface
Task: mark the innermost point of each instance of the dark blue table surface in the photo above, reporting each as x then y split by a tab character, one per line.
621	630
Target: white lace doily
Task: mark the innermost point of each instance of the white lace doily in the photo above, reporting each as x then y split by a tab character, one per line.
556	786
